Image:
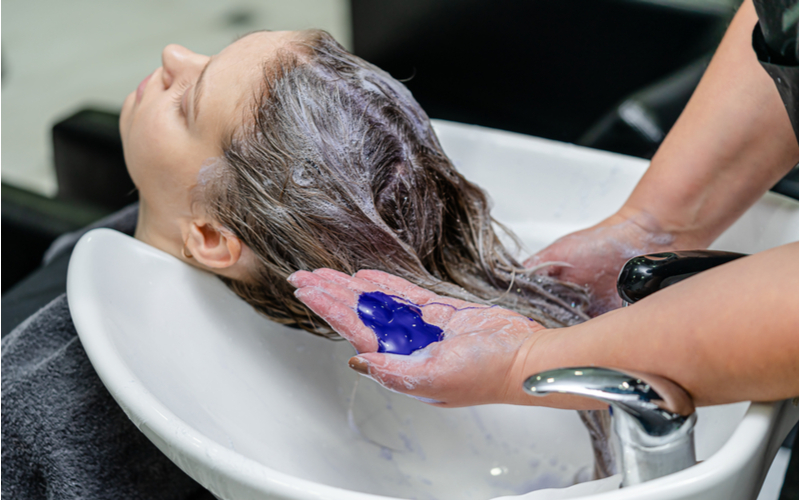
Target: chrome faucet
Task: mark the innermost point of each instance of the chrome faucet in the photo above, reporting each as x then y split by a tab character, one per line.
653	417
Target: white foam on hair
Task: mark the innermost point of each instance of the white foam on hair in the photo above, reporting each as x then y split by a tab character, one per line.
211	169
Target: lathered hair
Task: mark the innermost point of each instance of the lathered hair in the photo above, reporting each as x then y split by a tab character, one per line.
339	168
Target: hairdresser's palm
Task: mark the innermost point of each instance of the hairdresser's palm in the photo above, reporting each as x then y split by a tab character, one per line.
473	364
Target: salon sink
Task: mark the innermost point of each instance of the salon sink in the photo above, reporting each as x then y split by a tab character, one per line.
252	409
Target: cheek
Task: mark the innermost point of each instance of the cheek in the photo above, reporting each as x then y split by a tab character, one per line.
162	156
150	146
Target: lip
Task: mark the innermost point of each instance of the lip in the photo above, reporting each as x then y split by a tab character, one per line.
140	88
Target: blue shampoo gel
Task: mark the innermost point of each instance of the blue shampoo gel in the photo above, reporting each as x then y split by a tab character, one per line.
398	326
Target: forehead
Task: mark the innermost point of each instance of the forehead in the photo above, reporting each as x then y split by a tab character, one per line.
235	75
255	47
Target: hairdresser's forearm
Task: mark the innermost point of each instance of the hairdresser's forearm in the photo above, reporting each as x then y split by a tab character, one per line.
728	334
732	143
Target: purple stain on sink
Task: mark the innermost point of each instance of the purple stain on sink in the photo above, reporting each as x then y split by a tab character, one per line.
398	326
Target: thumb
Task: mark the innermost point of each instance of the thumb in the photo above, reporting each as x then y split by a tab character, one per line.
534	260
393	371
546	263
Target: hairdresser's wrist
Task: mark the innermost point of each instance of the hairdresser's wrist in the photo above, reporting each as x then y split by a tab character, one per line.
660	231
543	350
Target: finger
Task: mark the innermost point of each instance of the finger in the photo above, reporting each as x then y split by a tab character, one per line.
398	285
339	278
347	290
537	263
544	264
406	374
533	261
352	282
436	309
367	281
359	364
342	318
335	282
333	275
370	281
358	286
303	279
297	279
406	289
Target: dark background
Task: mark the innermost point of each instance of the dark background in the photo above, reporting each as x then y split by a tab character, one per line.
544	68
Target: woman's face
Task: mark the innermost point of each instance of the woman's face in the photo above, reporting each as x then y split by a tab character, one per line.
177	119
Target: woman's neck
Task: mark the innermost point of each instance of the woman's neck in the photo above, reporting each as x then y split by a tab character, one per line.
151	229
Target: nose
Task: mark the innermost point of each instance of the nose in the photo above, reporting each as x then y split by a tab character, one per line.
179	62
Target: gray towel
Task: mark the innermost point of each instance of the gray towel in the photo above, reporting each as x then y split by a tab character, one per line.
63	436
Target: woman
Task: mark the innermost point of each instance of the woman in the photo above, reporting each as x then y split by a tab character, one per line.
285	152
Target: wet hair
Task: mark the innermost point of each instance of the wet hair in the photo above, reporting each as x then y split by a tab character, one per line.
339	167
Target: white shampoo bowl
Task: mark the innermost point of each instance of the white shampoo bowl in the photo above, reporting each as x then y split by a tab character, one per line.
254	410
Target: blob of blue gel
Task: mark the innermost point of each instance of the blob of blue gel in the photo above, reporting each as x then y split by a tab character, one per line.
399	327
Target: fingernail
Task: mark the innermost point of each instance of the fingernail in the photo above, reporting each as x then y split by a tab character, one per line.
290	279
359	365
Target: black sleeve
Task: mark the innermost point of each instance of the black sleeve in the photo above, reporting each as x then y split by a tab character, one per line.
775	45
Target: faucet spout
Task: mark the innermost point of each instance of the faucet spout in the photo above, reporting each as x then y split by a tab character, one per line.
653	417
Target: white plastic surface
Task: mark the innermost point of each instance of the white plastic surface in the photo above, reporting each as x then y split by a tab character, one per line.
252	409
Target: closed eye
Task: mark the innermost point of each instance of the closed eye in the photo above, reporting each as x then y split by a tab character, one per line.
178	98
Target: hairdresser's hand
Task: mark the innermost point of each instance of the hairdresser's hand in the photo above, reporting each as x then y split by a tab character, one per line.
594	257
475	362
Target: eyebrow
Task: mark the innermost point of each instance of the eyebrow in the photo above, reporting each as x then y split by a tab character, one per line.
198	89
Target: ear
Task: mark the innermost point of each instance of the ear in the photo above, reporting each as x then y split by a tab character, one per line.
212	246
